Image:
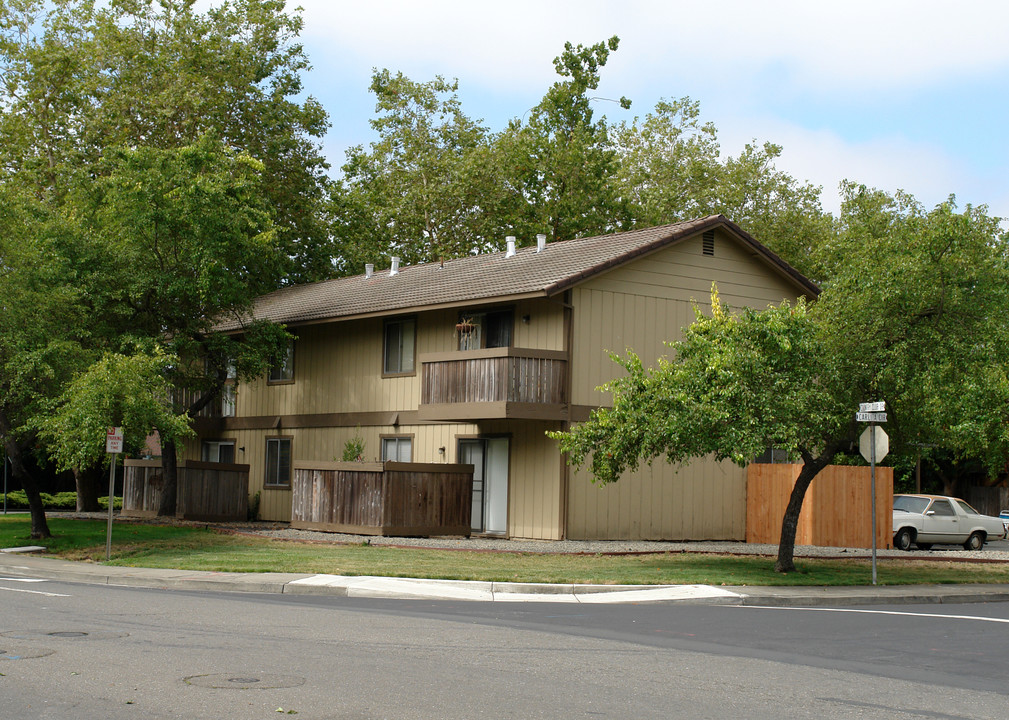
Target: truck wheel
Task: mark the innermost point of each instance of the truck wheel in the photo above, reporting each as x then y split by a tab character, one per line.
975	541
902	540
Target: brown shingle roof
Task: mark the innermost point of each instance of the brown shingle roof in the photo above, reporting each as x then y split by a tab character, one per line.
486	277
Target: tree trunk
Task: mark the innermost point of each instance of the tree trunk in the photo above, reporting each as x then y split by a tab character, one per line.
811	467
89	484
40	528
170	478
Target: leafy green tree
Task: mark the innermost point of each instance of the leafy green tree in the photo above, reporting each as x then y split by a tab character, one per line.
79	80
914	317
181	239
558	165
920	297
424	189
128	391
44	330
735	385
671	168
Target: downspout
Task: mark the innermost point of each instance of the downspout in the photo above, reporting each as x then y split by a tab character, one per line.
566	424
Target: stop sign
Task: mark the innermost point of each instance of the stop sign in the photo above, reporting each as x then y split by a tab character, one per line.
865	443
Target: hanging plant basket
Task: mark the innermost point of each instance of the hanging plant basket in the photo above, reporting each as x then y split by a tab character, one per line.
465	326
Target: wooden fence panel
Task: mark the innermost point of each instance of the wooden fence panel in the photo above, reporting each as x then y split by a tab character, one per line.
836	511
142	480
988	500
212	492
382	498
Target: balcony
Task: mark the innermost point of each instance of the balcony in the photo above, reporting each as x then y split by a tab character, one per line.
494	383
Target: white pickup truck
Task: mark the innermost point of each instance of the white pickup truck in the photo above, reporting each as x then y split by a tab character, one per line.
927	520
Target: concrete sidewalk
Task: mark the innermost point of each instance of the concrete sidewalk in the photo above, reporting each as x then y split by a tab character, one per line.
20	567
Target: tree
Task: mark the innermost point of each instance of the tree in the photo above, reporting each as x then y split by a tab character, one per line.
671	169
43	330
128	391
424	190
922	296
735	385
181	239
914	317
80	80
558	165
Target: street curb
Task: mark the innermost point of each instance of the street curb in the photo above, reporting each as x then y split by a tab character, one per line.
21	566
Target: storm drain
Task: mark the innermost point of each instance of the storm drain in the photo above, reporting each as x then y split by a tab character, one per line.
20	651
247	681
62	634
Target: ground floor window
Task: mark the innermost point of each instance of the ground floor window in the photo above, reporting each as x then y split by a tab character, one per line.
397	449
222	451
278	462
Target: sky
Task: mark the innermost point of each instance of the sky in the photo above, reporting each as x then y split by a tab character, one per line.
890	94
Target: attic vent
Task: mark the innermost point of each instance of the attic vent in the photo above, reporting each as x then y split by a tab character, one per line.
708	242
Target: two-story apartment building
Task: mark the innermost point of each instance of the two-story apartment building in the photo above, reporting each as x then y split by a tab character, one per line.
474	359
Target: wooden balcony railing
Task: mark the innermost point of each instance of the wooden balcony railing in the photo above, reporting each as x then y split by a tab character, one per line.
494	383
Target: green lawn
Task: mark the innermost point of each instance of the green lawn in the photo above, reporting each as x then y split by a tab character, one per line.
188	548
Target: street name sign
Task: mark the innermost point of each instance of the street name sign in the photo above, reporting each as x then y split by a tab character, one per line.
873	417
872	407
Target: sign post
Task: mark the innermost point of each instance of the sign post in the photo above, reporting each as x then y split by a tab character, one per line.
113	446
874	445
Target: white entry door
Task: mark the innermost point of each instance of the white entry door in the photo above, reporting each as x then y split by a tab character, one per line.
489	458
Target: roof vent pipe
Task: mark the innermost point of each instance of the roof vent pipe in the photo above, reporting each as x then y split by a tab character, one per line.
394	270
369	270
541	242
510	240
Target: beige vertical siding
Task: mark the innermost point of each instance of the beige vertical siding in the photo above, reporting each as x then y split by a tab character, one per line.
639	306
545	328
643	304
703	501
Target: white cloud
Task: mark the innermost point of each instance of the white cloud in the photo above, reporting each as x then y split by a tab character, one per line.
870	44
888	163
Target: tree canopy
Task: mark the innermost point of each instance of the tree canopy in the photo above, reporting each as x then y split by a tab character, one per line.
160	172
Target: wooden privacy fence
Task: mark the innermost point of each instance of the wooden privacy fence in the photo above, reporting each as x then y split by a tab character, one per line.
213	492
388	498
988	500
836	512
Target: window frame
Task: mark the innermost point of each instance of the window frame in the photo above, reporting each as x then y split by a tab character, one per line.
218	442
478	338
283	369
399	322
280	440
383	439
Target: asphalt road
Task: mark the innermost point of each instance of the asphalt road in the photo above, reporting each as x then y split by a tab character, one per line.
84	651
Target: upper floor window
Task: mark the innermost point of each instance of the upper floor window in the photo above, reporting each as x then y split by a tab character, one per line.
283	369
485	330
228	400
400	338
